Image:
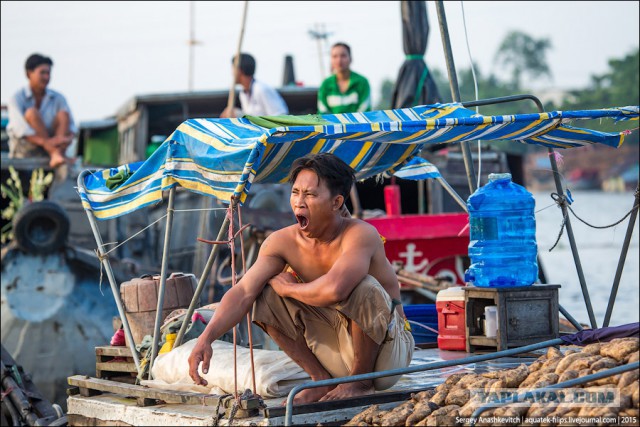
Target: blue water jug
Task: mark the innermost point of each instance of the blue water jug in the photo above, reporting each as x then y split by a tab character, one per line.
502	240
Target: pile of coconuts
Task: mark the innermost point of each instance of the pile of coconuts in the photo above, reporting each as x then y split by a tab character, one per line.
452	402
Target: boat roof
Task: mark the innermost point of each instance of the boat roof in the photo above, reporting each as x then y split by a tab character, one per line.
223	157
200	96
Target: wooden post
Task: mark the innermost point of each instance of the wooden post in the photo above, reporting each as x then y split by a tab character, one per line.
232	92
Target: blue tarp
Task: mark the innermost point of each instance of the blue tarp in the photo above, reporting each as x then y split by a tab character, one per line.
223	157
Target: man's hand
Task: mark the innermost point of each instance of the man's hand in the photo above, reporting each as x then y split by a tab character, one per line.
201	353
229	113
280	282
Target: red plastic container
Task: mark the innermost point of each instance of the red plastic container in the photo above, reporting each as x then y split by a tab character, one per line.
450	306
392	200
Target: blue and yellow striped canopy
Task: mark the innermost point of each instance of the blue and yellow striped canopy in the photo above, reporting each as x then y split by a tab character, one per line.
222	157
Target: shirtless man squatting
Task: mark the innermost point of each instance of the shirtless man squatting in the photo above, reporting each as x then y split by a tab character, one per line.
341	315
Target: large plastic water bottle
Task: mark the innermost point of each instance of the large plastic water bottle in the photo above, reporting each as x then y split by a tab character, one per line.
502	241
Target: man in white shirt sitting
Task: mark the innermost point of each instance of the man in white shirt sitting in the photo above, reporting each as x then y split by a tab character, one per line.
256	98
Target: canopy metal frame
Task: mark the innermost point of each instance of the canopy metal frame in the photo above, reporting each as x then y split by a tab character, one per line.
105	262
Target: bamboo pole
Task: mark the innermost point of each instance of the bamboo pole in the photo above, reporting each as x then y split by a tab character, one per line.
236	62
231	100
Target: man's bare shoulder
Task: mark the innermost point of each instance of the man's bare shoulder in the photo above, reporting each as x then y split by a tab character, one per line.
361	230
279	240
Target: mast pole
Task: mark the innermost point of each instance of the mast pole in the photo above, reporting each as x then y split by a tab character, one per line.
455	91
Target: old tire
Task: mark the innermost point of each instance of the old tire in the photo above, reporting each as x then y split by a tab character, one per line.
41	227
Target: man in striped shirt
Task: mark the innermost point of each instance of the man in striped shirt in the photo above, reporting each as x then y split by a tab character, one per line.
345	91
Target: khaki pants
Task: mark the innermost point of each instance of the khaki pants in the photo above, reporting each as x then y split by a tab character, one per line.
325	329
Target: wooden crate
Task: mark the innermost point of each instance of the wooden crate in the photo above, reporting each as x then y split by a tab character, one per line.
115	363
526	315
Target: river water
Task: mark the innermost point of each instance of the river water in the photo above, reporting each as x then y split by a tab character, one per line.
599	251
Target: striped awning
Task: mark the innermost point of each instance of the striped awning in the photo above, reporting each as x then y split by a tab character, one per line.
222	157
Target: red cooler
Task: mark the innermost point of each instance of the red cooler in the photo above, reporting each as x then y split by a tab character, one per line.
451	319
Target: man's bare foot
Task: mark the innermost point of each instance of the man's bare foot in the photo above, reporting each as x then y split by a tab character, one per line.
56	160
344	391
309	395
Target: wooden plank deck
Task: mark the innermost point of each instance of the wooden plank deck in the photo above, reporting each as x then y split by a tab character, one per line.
123	404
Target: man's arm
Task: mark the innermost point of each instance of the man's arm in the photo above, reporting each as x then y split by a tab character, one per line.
235	304
17	126
351	267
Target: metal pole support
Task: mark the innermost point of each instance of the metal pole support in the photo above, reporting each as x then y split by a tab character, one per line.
203	278
623	256
572	240
401	371
455	91
163	280
104	259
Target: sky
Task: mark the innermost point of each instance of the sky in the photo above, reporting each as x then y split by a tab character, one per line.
104	53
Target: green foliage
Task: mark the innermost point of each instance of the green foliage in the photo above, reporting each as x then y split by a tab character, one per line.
523	55
386	93
617	87
12	190
488	87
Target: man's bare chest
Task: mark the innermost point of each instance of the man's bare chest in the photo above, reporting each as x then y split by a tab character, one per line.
311	263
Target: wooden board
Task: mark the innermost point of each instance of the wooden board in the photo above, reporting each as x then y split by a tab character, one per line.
108	367
115	351
116	367
84	382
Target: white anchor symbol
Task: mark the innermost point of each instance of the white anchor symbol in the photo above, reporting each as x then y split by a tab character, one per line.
411	254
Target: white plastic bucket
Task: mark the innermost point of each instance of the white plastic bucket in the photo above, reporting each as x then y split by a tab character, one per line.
491	321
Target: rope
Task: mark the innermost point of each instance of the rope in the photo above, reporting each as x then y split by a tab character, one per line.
564	221
104	256
234	409
220	242
216	418
231	242
200	209
232	248
244	271
475	86
413	322
562	201
423	78
6	392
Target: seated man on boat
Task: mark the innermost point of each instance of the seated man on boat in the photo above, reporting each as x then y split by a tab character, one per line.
256	97
40	120
339	314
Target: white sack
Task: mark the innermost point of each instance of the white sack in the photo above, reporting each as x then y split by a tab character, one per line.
276	373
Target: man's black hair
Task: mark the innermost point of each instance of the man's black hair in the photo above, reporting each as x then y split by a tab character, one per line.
247	64
344	45
335	173
35	60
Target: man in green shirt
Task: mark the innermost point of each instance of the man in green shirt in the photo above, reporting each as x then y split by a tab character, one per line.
345	91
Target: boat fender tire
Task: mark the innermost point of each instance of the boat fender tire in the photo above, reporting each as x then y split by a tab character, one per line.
41	227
